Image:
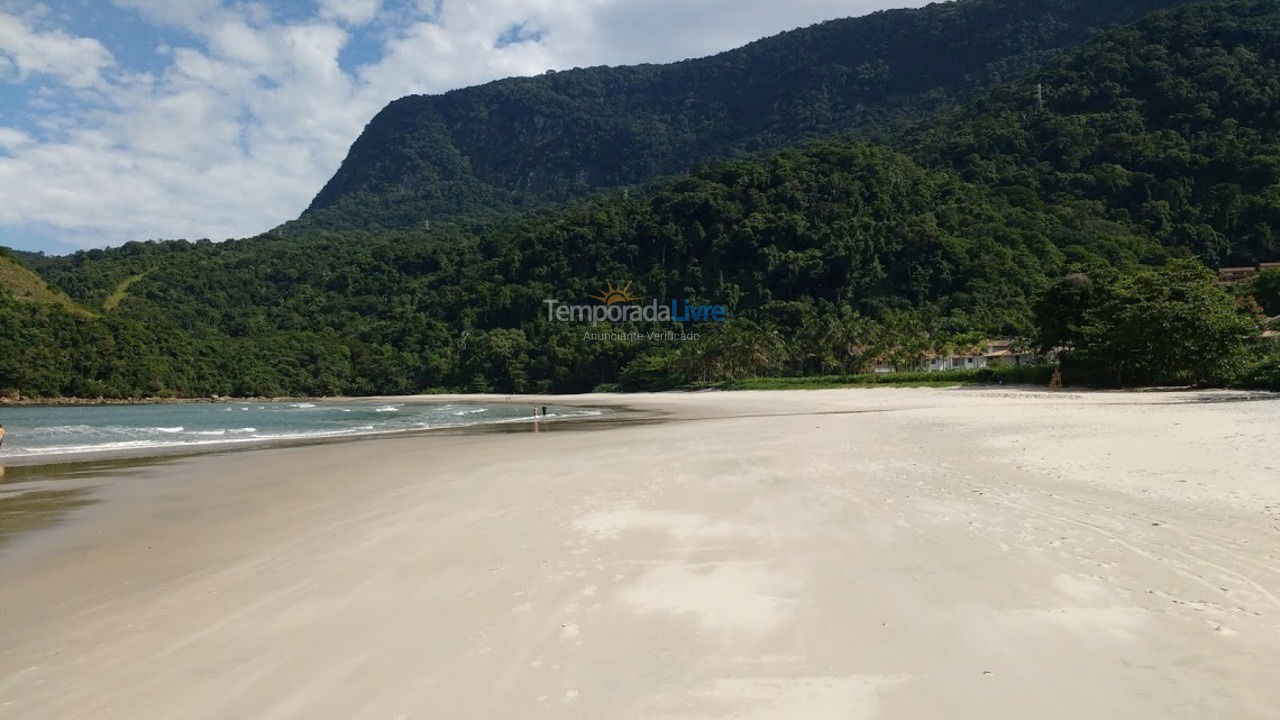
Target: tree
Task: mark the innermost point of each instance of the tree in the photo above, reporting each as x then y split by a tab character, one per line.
1266	290
1172	325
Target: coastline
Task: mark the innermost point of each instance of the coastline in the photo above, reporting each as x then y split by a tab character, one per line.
621	408
616	413
896	553
23	401
164	400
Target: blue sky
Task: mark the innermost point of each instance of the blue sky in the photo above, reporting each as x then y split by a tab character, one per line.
134	119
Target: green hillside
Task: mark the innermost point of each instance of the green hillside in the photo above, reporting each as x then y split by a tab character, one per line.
1171	125
101	278
815	251
24	285
521	142
827	255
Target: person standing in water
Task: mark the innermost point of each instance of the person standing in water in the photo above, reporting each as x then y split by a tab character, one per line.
1	436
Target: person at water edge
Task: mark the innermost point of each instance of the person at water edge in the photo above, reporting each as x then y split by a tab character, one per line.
1	436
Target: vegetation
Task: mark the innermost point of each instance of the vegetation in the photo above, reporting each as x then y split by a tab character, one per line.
120	291
1169	125
1156	142
22	284
1010	375
1171	326
92	277
1263	375
827	258
1265	290
518	143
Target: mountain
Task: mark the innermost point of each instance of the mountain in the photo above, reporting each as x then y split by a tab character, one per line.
1171	125
826	254
810	249
523	142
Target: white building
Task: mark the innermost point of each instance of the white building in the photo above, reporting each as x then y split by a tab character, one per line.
992	353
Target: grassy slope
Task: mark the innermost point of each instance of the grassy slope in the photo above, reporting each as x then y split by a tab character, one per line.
23	284
120	292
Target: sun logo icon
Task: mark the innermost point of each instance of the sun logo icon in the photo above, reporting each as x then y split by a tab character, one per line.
614	295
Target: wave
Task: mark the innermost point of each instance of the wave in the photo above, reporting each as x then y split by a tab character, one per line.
83	438
59	430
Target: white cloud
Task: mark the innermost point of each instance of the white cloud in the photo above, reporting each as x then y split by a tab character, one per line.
13	139
76	61
354	12
186	14
251	114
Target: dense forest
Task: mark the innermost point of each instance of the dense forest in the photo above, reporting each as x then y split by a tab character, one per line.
837	233
517	143
830	255
1171	125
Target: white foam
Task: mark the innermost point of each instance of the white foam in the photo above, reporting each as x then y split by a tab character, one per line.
81	438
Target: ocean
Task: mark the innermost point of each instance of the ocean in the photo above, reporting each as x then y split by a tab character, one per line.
77	429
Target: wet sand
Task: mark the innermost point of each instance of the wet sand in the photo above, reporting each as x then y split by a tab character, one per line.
823	554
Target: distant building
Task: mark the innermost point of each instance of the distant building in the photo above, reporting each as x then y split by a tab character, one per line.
970	360
992	353
1010	352
1236	274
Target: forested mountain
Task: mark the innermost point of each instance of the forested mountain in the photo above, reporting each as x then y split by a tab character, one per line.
829	255
522	142
1172	125
811	249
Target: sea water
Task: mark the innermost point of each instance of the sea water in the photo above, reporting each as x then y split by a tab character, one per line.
76	429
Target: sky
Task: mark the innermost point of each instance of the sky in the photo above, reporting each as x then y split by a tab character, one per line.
140	119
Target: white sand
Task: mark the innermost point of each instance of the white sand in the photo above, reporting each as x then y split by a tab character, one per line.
955	553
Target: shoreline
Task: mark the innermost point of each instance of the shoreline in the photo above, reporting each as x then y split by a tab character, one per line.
611	413
619	408
7	401
56	402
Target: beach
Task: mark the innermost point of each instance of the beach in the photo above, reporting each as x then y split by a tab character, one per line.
867	553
